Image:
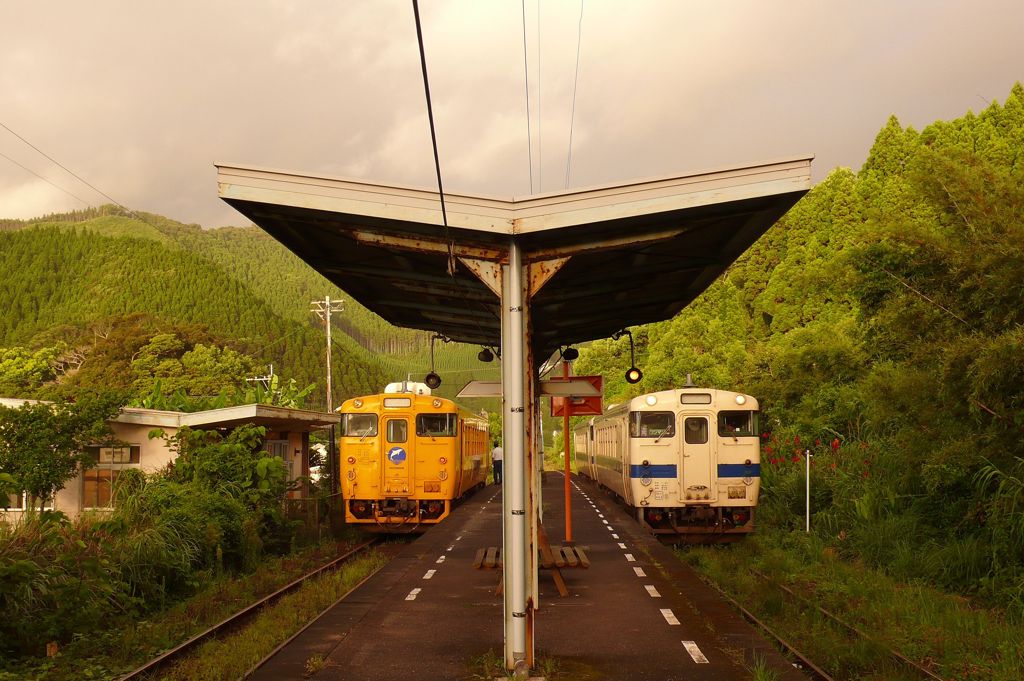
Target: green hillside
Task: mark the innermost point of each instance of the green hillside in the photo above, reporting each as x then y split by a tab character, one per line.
881	323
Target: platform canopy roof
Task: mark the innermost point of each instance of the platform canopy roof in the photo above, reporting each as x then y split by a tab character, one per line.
636	252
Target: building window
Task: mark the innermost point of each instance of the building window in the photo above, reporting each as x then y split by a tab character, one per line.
20	502
98	481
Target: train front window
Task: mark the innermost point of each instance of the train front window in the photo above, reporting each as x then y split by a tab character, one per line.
359	425
436	425
398	430
737	423
695	430
656	424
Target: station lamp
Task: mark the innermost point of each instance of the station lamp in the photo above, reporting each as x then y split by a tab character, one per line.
485	355
433	380
633	375
570	354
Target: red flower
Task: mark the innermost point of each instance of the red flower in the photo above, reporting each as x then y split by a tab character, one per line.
835	445
817	443
796	440
796	457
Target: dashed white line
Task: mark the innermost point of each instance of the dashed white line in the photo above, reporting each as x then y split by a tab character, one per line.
610	528
639	572
695	653
621	545
605	522
458	538
652	591
600	515
412	595
615	536
670	617
630	558
429	574
450	547
440	560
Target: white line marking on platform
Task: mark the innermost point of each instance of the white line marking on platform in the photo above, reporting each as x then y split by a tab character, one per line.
615	536
639	572
440	560
451	547
610	528
412	595
630	558
605	522
429	574
652	591
695	653
621	545
600	515
670	617
458	538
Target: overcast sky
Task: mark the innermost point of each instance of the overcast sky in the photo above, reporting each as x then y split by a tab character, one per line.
140	98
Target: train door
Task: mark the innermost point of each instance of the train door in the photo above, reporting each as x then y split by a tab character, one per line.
695	469
399	456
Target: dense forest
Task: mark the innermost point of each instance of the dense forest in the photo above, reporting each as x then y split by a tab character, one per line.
881	324
87	298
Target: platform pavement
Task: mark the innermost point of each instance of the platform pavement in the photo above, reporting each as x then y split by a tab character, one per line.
430	616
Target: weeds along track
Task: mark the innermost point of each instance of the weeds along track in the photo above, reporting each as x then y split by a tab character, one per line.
240	618
808	666
803	602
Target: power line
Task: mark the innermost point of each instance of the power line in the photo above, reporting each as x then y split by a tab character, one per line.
540	118
53	184
526	80
575	82
433	136
72	174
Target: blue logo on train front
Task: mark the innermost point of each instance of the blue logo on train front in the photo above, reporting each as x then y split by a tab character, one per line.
396	455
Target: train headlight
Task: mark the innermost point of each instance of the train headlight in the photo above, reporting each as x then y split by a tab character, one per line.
443	460
357	403
651	400
351	460
740	399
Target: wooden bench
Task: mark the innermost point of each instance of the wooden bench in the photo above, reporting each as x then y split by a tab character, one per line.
554	560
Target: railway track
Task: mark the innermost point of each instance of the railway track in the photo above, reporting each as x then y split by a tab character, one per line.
241	617
807	665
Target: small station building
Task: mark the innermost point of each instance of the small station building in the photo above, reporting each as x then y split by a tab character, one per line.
287	436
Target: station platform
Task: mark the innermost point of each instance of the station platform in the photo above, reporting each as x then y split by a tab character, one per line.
637	613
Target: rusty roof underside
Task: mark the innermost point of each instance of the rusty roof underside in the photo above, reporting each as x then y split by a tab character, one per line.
638	253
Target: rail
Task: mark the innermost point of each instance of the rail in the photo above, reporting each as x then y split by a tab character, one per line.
241	616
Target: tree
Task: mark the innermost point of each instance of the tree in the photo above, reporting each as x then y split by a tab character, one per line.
42	445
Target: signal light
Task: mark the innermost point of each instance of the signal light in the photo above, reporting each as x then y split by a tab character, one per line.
634	375
432	380
443	460
351	460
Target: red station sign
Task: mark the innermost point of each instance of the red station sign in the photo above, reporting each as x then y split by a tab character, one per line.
579	406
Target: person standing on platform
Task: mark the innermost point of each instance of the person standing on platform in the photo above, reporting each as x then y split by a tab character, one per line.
496	456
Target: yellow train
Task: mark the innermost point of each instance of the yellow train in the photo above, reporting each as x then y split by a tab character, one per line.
406	456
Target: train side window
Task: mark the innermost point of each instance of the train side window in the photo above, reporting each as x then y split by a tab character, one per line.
436	425
737	423
358	425
695	431
656	424
398	430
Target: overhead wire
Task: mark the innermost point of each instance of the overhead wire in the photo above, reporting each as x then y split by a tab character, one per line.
73	174
575	82
44	179
526	81
433	137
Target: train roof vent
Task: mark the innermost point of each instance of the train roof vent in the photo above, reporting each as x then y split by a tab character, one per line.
407	387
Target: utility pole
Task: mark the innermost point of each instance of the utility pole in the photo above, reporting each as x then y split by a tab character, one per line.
323	309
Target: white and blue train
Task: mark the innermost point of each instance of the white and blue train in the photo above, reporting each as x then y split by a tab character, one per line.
687	460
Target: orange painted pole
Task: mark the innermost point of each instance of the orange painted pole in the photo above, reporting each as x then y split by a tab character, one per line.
566	402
